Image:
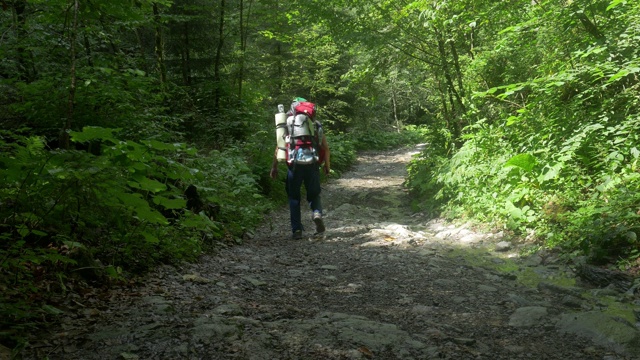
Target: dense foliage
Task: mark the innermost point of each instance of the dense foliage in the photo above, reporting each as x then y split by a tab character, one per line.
551	146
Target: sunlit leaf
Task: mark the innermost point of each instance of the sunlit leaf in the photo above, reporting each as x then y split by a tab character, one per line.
615	3
523	161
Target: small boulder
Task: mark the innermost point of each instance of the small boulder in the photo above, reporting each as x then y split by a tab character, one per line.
503	246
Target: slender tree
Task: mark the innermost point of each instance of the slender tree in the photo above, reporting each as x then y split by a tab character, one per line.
159	44
217	78
64	137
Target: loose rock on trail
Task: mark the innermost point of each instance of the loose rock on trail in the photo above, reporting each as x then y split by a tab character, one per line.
382	283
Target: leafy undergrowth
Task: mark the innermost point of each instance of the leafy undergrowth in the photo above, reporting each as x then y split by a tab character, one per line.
79	222
552	156
76	219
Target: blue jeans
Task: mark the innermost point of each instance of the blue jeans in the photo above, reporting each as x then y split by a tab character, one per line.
309	175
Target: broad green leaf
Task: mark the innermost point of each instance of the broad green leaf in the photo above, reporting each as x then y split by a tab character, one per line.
23	230
550	172
111	272
523	161
150	238
131	200
158	145
618	75
615	155
138	166
134	151
512	120
615	3
151	215
199	221
144	183
57	170
512	210
170	203
141	207
73	244
89	133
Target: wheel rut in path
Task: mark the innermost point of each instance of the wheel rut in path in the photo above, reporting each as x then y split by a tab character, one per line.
382	283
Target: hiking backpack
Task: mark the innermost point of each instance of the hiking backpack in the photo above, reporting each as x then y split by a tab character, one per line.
304	134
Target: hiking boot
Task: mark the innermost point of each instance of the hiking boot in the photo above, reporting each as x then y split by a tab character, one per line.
317	219
297	235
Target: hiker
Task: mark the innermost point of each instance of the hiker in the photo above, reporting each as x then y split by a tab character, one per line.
306	150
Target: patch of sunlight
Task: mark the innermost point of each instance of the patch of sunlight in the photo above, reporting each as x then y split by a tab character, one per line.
389	234
621	311
526	276
616	308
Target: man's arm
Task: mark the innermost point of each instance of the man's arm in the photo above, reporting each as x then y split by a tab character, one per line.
327	155
274	165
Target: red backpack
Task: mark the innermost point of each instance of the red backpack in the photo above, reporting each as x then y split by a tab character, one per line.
305	107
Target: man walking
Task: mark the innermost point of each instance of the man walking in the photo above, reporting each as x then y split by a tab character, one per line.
300	170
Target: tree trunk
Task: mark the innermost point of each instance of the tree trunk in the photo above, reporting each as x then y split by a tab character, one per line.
395	109
159	45
456	64
242	49
218	60
186	57
472	40
87	49
25	57
443	98
143	57
244	34
279	68
590	27
453	93
64	135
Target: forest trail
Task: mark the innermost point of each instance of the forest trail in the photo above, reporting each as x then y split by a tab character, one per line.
383	283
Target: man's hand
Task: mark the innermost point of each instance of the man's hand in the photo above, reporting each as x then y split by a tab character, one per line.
326	169
274	172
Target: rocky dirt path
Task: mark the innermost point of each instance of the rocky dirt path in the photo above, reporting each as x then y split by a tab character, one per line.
383	283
